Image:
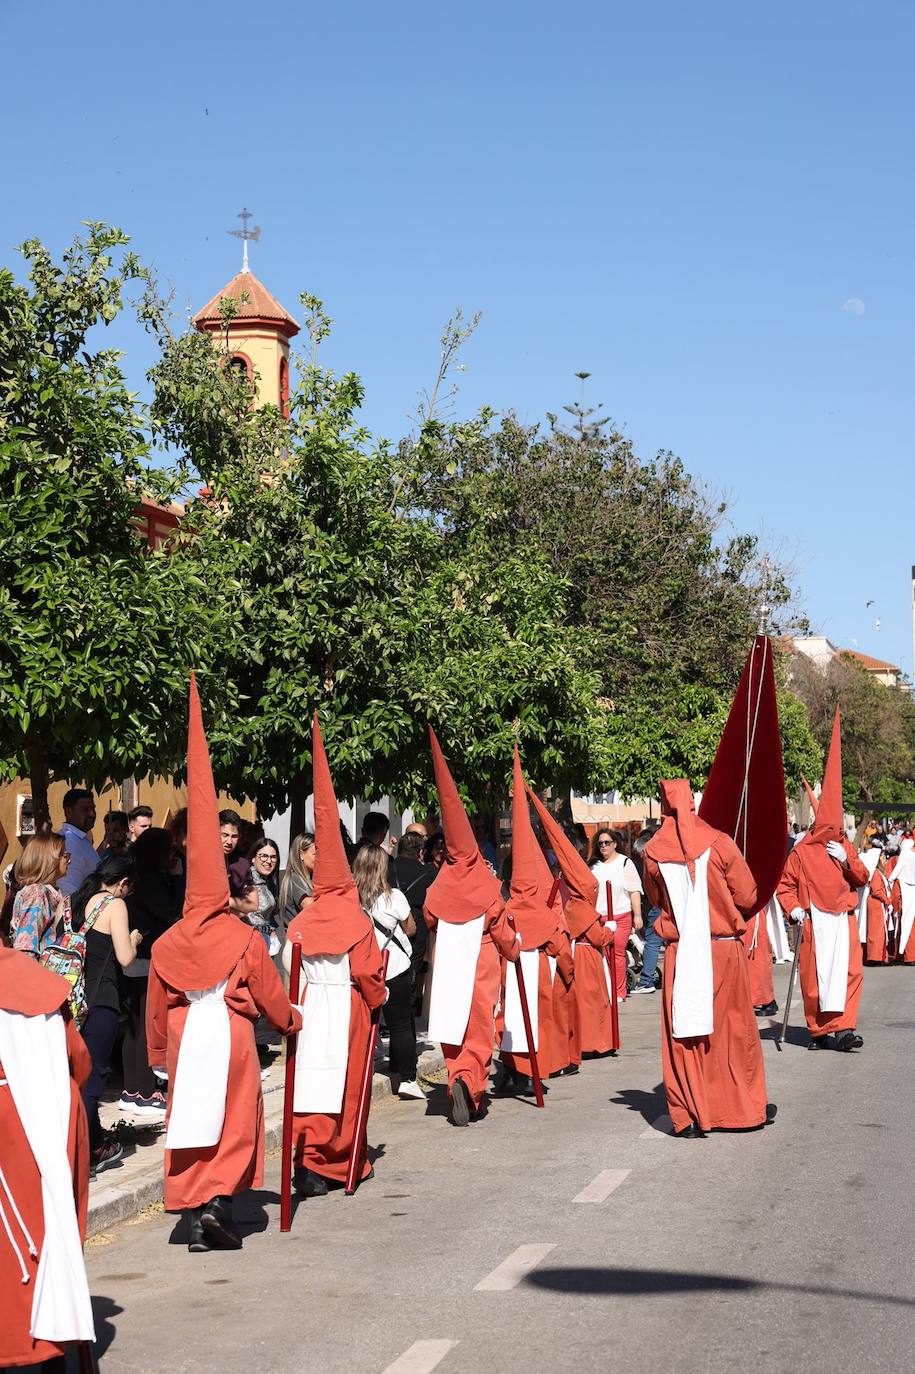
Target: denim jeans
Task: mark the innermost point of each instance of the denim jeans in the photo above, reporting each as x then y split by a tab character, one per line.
650	953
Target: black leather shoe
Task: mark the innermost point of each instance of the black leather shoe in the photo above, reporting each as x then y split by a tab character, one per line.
197	1241
849	1041
817	1042
216	1220
568	1071
310	1184
771	1113
503	1082
460	1103
690	1132
768	1010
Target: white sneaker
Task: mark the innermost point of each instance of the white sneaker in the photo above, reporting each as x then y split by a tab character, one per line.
411	1089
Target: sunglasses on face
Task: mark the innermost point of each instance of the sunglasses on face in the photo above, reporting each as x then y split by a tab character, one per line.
605	844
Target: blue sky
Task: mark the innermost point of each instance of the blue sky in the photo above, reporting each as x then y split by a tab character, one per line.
677	198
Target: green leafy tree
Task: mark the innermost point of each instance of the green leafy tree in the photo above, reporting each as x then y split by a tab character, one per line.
878	726
664	605
97	632
348	600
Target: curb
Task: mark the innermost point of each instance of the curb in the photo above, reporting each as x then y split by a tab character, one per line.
110	1205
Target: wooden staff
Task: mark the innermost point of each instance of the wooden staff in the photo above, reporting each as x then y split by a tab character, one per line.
289	1094
791	981
528	1031
609	951
360	1144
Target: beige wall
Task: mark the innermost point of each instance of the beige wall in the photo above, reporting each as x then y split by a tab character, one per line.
161	794
264	348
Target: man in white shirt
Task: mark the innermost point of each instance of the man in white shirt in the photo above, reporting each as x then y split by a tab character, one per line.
79	813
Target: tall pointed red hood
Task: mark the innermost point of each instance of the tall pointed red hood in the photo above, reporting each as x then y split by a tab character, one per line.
580	909
335	921
826	882
203	947
532	881
828	823
683	836
465	887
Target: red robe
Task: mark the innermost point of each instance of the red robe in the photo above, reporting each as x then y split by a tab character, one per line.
793	891
759	959
321	1142
195	1176
21	1172
907	955
552	1038
878	899
566	1033
716	1081
593	1021
472	1059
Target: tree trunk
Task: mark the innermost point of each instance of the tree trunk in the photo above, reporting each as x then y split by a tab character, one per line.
299	791
38	777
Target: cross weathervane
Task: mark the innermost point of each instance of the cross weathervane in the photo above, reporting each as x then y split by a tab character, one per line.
246	235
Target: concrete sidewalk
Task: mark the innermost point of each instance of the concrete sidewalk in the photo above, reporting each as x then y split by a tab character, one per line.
124	1191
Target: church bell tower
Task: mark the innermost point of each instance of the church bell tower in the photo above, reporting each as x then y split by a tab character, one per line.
260	331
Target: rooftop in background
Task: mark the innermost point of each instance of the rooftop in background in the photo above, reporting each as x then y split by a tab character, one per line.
822	651
260	305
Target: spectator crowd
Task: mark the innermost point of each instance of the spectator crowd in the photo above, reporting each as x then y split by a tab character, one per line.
94	914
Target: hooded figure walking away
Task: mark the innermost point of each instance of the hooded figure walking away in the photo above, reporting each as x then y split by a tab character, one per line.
44	1167
464	908
545	954
903	902
711	1053
819	891
592	1021
210	978
344	982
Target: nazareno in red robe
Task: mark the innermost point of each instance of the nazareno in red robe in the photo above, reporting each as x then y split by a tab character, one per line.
716	1081
27	988
591	1018
331	925
878	899
194	1177
541	926
464	890
209	945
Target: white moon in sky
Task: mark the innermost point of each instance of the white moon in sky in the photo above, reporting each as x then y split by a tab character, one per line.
854	306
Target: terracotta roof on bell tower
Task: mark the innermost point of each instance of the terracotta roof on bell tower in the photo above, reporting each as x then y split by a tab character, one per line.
260	305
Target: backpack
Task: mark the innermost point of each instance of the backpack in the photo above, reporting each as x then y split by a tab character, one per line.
67	957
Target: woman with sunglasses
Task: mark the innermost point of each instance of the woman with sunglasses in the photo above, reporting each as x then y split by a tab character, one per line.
609	866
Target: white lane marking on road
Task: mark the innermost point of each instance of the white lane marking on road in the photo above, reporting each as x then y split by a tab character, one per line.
600	1188
512	1270
662	1125
421	1358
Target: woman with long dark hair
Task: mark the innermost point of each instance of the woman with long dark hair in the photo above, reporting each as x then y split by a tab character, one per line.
390	914
264	855
98	908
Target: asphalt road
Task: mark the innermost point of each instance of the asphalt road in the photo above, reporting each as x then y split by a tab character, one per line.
575	1238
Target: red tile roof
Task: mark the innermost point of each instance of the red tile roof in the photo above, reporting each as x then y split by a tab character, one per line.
873	665
260	305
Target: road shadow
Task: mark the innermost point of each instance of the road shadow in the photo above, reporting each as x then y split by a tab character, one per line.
795	1035
636	1283
649	1105
104	1310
